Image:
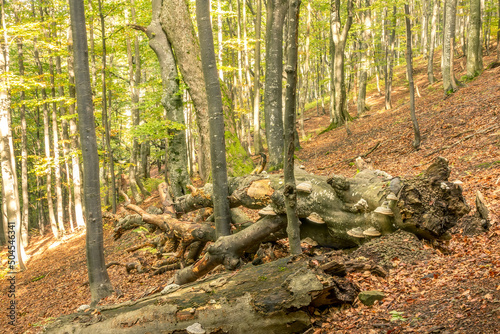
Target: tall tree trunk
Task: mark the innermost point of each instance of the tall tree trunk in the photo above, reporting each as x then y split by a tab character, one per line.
100	285
305	72
134	80
498	33
65	146
105	121
11	207
177	159
24	151
425	27
75	144
449	83
339	37
364	52
176	21
409	71
474	49
290	190
222	212
257	140
273	103
389	56
55	137
434	22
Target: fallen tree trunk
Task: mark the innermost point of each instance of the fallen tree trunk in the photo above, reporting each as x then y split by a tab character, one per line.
270	298
335	212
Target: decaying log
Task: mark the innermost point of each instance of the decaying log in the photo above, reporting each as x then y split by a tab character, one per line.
272	297
427	205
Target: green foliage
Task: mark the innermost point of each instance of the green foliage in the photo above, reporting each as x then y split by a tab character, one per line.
238	161
152	184
397	316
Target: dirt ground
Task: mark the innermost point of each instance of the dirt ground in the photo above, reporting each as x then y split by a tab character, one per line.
456	290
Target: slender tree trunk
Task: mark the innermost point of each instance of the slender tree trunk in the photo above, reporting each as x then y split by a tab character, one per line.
409	71
100	285
449	83
389	57
273	103
290	191
257	140
176	21
474	49
425	27
498	33
434	22
65	146
57	163
105	121
134	78
11	204
222	212
340	114
24	151
364	62
75	145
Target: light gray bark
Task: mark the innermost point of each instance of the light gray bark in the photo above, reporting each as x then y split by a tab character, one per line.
111	175
449	83
474	48
75	143
176	21
409	72
290	191
217	139
177	160
257	140
100	285
389	55
430	62
273	90
339	36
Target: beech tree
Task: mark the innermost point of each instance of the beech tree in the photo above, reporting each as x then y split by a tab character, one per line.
217	140
474	48
273	103
100	285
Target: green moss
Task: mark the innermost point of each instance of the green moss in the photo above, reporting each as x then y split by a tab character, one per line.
237	159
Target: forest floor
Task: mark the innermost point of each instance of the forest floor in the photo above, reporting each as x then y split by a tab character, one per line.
456	290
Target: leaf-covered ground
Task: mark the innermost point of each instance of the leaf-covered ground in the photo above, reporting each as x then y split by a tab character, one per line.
455	290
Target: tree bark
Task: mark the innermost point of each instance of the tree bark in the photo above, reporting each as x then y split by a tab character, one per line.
430	62
257	140
389	56
11	209
474	48
409	72
176	21
217	140
100	285
290	192
269	298
55	145
105	121
177	160
339	37
273	87
24	151
449	83
364	46
75	144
